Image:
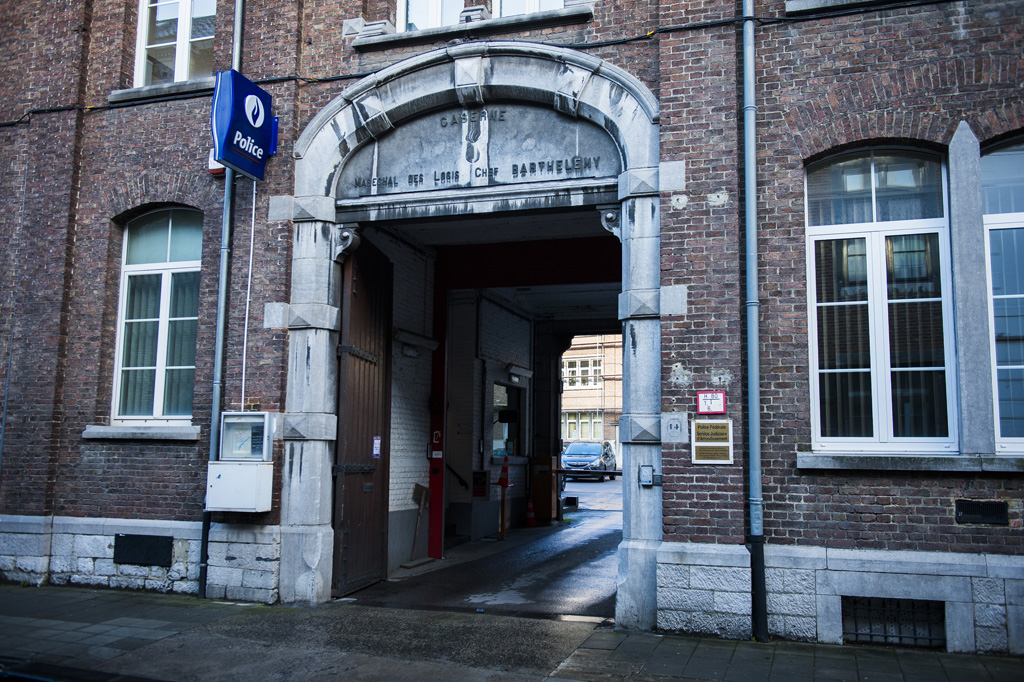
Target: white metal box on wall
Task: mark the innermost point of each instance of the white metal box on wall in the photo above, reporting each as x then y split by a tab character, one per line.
239	486
243	478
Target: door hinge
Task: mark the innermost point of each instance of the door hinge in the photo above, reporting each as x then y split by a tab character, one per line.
358	352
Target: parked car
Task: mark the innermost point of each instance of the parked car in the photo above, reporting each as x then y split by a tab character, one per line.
585	459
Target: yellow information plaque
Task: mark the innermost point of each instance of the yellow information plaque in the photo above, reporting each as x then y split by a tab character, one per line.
712	441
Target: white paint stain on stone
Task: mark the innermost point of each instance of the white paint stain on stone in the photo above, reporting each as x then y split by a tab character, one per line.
679	201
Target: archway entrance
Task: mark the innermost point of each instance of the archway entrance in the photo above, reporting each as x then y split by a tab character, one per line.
481	143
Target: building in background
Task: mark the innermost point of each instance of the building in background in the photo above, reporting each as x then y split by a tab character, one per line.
592	389
458	192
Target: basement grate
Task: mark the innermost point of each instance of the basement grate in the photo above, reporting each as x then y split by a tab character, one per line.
902	622
975	511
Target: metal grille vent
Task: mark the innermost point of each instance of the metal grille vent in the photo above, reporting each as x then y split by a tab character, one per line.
975	511
905	622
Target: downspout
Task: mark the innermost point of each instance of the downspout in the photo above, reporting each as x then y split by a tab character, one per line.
758	592
222	310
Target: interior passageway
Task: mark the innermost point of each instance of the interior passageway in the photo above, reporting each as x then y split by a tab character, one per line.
565	569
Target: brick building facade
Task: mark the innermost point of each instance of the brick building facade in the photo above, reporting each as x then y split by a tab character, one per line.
534	171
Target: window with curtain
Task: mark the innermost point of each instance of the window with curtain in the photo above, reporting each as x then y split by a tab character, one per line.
880	305
175	41
1002	179
159	312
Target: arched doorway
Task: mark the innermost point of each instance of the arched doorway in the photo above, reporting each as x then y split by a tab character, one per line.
537	129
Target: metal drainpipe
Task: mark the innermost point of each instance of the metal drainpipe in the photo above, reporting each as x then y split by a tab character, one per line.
758	592
222	309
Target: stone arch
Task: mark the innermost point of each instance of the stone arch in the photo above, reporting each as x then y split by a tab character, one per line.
154	189
897	105
472	75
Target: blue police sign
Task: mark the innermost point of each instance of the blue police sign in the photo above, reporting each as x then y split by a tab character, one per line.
244	133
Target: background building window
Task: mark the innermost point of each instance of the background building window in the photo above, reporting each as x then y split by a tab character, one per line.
175	41
581	372
156	348
582	425
1002	177
882	341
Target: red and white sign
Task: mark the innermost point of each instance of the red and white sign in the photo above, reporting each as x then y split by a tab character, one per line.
710	402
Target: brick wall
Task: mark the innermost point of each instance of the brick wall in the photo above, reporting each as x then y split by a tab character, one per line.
904	76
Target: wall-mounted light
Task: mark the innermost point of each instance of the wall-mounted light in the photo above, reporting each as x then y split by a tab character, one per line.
517	374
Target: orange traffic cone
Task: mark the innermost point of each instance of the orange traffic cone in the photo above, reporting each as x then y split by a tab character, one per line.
503	476
531	520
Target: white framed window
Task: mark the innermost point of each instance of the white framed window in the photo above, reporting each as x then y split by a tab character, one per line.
880	304
581	372
175	41
585	425
1002	178
158	317
508	8
416	15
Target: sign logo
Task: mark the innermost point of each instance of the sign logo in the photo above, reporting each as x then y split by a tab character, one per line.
241	140
254	111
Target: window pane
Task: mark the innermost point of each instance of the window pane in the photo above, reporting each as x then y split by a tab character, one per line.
1009	331
160	65
1002	180
140	339
912	265
417	15
181	343
909	187
550	4
919	404
137	388
512	7
184	294
143	298
1011	403
450	10
203	12
178	390
163	23
1007	249
839	193
915	335
844	339
147	239
840	267
845	404
200	59
186	235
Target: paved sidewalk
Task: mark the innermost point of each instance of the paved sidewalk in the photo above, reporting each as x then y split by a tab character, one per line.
71	633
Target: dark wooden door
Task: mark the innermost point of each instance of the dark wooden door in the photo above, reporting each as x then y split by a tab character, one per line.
364	422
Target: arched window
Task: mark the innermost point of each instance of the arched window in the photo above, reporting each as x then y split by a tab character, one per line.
159	309
879	289
1002	179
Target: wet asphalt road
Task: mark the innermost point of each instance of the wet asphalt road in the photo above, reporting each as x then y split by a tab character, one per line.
559	570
